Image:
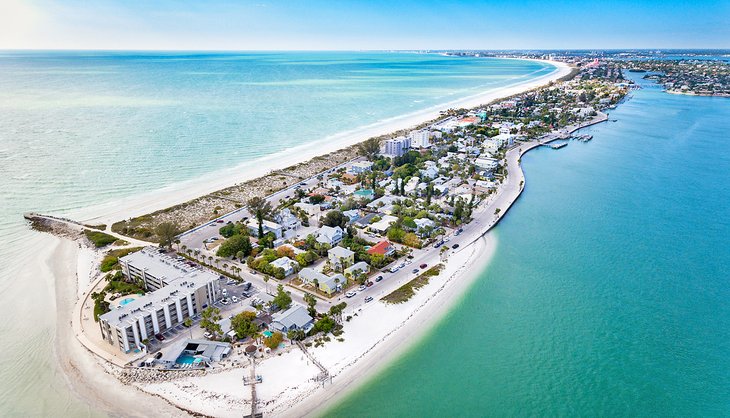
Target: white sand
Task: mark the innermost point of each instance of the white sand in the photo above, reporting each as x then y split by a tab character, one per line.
184	191
369	341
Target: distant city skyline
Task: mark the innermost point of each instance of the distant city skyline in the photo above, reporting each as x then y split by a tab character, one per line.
374	25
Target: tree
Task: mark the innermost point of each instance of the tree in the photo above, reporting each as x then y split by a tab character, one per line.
260	208
209	322
336	311
235	245
311	302
188	322
274	341
335	218
243	324
282	299
370	148
296	335
166	233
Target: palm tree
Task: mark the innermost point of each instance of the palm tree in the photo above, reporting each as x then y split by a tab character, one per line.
225	266
189	323
210	259
184	247
260	208
266	280
337	282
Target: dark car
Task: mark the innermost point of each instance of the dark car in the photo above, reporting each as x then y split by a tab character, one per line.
415	271
455	246
379	278
423	266
369	283
160	337
247	286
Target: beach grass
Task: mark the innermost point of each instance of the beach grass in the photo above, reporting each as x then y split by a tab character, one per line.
111	259
99	239
405	292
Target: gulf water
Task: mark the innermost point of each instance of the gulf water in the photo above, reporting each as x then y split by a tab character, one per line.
79	129
609	291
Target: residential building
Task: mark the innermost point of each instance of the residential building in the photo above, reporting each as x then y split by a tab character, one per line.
355	270
294	318
353	215
361	167
381	226
285	263
384	248
423	224
485	163
325	283
420	138
287	220
128	326
330	235
341	258
154	269
267	226
397	146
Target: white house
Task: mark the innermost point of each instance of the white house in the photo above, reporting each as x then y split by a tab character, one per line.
353	215
424	223
488	164
361	167
267	227
288	220
383	224
357	269
285	263
330	235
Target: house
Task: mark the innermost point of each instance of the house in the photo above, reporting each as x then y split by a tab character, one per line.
384	248
308	208
293	318
287	219
327	284
332	284
488	164
341	257
361	167
429	173
329	235
267	226
424	223
356	270
285	263
353	215
383	224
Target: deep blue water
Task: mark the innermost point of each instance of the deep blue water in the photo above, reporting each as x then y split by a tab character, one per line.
609	291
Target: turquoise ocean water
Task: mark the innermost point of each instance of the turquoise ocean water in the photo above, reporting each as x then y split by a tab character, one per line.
81	129
609	292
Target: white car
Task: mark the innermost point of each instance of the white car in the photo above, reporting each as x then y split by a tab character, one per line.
234	299
225	301
362	287
394	269
350	294
208	335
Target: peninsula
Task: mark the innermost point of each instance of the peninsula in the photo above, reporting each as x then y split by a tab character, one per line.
276	294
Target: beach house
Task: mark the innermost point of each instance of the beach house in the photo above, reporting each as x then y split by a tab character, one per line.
285	263
384	248
361	167
340	258
266	225
355	270
330	235
325	283
293	318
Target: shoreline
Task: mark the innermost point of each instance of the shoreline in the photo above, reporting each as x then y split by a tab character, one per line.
181	192
465	274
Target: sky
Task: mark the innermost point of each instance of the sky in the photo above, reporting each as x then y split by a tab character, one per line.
362	25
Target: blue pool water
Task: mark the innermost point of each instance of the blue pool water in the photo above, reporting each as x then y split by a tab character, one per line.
187	359
125	301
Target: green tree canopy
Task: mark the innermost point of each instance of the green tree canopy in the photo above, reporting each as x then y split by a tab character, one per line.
234	245
282	299
166	233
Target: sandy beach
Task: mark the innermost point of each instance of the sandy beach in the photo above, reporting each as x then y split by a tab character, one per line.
181	192
368	346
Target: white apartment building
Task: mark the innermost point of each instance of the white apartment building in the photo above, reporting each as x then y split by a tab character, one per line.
184	293
397	146
420	138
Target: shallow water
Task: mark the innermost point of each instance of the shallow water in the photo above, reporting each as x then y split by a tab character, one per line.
608	293
81	129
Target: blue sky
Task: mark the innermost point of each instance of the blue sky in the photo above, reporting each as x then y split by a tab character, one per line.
351	25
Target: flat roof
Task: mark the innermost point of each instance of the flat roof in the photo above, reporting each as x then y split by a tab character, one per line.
159	265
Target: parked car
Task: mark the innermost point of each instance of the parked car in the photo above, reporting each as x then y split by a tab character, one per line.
369	283
368	299
350	294
379	278
362	287
234	299
247	286
208	335
394	269
225	301
423	266
220	221
455	246
160	337
415	271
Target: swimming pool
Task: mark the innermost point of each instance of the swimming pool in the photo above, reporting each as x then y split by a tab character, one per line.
125	301
188	359
268	334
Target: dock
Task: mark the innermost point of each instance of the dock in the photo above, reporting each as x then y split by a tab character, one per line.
556	146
